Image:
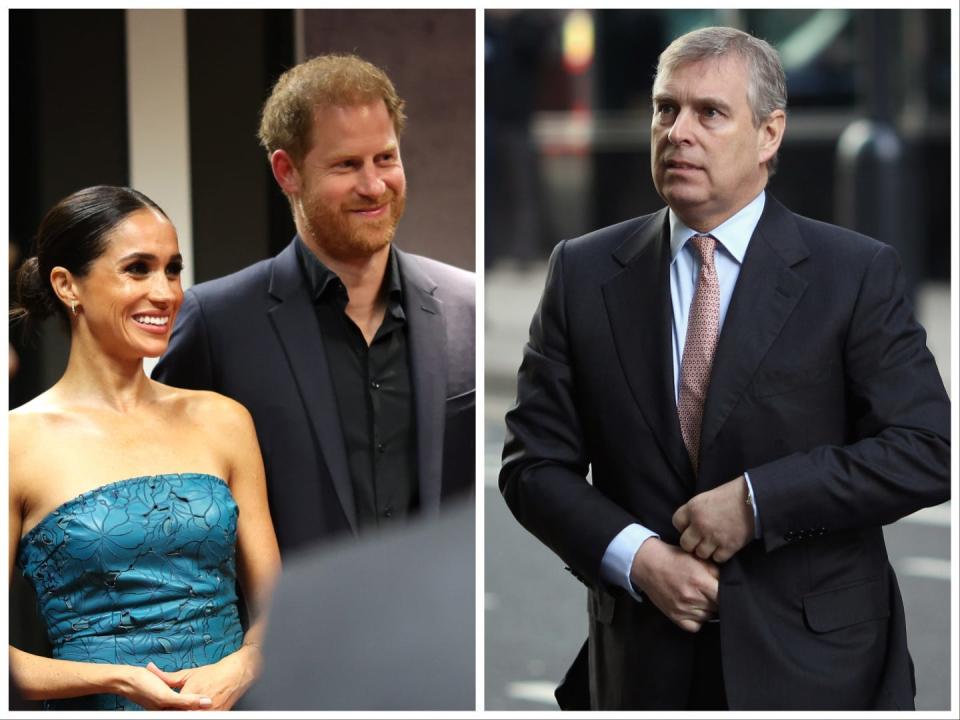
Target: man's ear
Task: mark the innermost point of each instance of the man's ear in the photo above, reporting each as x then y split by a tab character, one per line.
285	172
771	134
65	286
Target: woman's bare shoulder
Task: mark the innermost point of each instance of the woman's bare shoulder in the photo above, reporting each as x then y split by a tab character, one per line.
43	410
35	428
206	406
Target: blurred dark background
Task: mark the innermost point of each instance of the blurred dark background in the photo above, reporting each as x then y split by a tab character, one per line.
868	132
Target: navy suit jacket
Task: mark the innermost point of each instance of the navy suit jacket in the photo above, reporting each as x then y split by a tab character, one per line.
822	388
254	337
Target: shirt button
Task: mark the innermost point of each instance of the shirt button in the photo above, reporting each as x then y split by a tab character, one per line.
380	447
388	513
374	384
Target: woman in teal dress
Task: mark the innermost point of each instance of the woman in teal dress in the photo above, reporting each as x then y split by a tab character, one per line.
136	509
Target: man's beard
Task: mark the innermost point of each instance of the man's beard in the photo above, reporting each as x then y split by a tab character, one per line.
343	239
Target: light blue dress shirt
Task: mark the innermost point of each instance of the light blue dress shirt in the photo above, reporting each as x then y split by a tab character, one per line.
733	237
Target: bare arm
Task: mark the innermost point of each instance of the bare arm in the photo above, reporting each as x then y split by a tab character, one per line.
258	559
257	552
43	678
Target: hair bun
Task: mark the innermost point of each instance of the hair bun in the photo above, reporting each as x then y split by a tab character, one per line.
35	298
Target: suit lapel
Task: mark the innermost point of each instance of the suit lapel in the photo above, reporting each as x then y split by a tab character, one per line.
427	347
295	322
766	293
637	300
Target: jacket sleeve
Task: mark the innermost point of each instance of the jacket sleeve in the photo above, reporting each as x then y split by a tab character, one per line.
545	461
188	362
898	457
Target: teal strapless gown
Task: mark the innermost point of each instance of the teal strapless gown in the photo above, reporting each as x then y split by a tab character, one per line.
138	570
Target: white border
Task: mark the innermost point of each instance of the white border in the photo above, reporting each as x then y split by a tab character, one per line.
479	6
479	494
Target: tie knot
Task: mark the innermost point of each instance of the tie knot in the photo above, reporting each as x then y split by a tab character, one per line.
705	245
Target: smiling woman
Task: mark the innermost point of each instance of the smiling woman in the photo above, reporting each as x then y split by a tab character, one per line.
131	533
133	288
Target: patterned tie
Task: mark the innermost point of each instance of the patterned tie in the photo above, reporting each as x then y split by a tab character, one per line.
703	327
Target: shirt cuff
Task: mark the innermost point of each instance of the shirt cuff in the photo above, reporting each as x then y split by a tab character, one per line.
618	558
753	504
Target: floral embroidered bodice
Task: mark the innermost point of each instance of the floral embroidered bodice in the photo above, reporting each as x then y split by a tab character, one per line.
141	569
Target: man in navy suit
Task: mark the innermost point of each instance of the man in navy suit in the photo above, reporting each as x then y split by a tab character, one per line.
355	359
755	400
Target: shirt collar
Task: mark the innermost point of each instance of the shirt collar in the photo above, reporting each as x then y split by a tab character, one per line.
323	282
733	234
321	279
394	286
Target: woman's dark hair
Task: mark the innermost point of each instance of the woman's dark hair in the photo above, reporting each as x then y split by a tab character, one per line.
72	235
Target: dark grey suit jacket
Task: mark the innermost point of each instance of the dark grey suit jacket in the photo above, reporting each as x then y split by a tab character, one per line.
254	337
822	388
386	623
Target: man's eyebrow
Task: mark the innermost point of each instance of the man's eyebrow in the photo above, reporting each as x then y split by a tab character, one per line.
706	101
346	155
713	102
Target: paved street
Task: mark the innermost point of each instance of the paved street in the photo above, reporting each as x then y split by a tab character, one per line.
535	610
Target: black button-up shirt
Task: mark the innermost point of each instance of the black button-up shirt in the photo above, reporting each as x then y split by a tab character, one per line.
373	391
